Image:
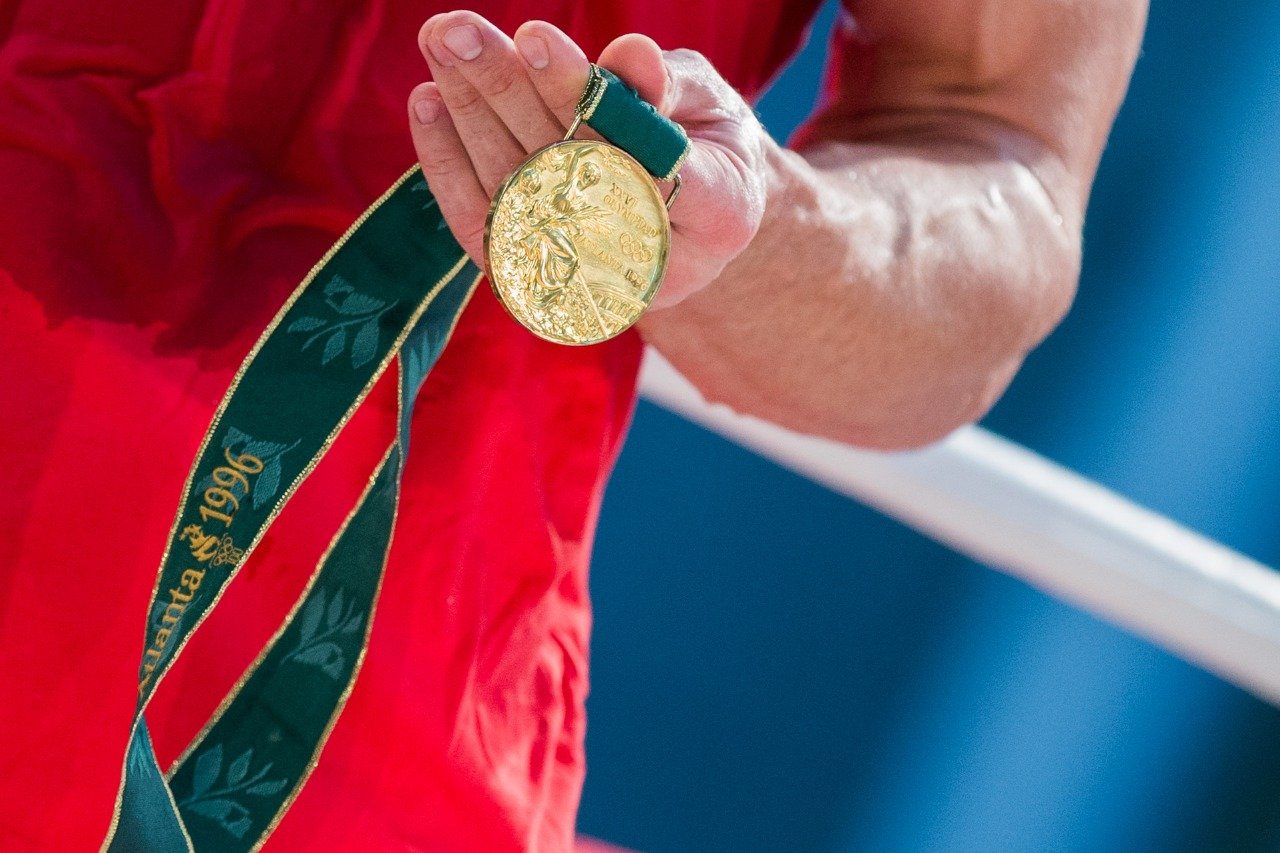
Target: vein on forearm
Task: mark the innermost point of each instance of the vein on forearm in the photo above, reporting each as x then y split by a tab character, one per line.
892	290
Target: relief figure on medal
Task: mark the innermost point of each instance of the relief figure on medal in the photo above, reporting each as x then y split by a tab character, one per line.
555	223
563	256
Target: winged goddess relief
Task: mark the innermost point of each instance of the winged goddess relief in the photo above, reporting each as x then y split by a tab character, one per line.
552	224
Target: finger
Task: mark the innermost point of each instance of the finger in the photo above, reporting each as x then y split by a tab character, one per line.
638	60
499	76
714	179
556	65
493	150
724	166
448	170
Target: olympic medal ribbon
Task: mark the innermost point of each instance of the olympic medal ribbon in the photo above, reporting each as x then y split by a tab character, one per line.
239	776
618	113
396	275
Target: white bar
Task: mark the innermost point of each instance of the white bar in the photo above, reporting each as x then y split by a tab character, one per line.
1004	506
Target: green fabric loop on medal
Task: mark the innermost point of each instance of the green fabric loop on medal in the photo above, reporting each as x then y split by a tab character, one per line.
618	113
394	284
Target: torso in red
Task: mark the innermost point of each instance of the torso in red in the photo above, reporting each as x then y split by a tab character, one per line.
169	172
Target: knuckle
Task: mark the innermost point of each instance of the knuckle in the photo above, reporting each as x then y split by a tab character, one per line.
563	96
689	55
444	161
465	100
700	84
729	237
565	103
473	235
497	78
687	62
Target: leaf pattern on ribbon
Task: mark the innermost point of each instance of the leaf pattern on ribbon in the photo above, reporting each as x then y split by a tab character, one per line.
334	346
321	645
224	804
418	354
268	481
354	321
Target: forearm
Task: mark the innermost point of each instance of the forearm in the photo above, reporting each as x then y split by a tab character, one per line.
883	285
892	289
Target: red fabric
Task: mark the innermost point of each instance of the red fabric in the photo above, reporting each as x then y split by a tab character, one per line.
168	172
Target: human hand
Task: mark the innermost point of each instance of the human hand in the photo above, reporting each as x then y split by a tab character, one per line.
493	101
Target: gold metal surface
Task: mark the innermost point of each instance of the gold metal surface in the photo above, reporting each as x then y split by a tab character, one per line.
576	242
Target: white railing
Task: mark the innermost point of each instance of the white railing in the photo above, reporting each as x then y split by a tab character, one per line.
1004	506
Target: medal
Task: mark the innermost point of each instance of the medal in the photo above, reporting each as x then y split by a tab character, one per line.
577	237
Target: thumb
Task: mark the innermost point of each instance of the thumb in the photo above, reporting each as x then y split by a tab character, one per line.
638	60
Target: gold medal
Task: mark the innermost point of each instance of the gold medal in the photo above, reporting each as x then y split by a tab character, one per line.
576	241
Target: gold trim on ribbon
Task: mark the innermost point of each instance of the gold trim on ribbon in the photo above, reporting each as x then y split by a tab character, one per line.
678	165
591	95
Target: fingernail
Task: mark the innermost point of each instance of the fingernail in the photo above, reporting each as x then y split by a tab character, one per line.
427	110
534	51
463	41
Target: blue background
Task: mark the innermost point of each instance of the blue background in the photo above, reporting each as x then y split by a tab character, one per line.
776	668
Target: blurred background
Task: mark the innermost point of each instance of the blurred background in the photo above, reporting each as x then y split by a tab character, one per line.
776	668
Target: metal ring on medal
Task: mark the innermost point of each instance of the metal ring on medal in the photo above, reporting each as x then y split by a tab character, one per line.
576	242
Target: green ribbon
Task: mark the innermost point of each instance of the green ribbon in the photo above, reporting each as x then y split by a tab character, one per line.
395	283
618	113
